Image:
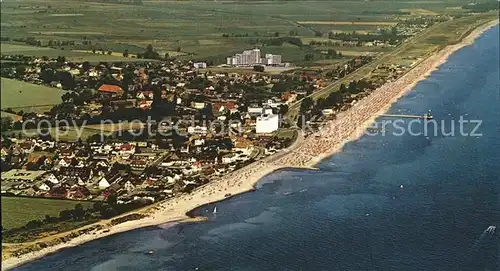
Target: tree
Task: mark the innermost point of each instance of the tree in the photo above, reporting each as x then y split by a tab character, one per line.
308	57
342	88
166	56
111	199
20	70
97	206
5	123
125	53
33	224
283	109
67	80
306	104
86	66
178	49
61	59
48	75
78	211
65	215
107	212
150	53
276	34
258	68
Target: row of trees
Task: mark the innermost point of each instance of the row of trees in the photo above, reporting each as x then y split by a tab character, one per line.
292	33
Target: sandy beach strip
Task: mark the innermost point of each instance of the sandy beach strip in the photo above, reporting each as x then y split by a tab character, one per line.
348	126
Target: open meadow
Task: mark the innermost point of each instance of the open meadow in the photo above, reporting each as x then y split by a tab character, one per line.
17	211
9	48
19	95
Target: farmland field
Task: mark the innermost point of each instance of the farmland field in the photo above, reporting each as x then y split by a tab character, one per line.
204	30
19	95
74	55
17	211
348	23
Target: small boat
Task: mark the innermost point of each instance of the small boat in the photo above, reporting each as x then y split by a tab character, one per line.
215	210
491	229
428	115
401	186
150	252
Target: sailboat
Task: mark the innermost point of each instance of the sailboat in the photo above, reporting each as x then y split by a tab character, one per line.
215	210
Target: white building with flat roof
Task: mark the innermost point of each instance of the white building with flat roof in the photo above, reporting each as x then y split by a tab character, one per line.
271	59
200	65
247	58
267	124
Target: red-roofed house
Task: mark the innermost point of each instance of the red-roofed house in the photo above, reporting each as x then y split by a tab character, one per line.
110	89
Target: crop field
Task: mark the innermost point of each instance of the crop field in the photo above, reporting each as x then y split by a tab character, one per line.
202	29
17	211
381	23
74	55
419	11
28	97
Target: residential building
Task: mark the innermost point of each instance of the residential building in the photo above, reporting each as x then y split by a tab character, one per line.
272	60
247	58
111	90
200	65
267	124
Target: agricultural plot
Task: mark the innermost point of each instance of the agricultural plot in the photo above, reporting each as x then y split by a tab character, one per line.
74	55
348	23
169	25
17	211
28	97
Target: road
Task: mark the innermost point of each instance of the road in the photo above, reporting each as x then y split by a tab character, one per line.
294	108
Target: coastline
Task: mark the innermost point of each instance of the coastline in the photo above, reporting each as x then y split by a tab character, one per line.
305	154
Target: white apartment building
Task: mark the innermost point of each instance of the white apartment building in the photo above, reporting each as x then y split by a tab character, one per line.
267	124
271	59
247	58
200	65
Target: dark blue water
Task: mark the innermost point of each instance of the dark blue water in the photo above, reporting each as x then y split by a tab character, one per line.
352	214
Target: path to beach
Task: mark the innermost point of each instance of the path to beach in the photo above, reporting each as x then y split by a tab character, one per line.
304	153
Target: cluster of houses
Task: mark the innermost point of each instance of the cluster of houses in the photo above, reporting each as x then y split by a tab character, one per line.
150	168
131	170
106	88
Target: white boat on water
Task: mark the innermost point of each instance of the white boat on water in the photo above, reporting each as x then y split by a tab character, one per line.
215	210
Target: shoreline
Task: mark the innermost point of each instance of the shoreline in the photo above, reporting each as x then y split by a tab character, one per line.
304	153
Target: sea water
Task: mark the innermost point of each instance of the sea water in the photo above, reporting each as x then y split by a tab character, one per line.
385	202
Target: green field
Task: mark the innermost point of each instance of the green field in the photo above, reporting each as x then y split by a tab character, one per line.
197	27
73	55
28	97
17	211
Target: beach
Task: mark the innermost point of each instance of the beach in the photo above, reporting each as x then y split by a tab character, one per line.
306	153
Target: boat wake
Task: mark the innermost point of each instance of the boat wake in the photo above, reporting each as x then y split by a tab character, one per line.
486	237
